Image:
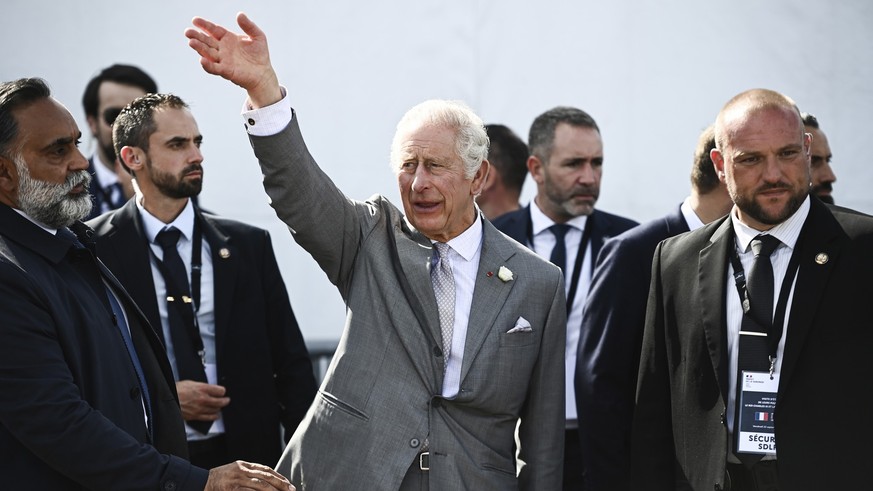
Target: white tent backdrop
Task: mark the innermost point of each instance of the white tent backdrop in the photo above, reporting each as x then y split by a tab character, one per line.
653	74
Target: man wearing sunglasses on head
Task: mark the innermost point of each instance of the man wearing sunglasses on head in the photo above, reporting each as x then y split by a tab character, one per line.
105	96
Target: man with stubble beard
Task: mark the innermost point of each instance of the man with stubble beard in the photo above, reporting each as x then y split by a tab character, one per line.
561	224
211	288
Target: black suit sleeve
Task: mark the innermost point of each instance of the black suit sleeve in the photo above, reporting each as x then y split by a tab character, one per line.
295	382
608	360
653	449
44	419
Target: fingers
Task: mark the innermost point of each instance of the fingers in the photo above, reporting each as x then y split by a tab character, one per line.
248	26
210	27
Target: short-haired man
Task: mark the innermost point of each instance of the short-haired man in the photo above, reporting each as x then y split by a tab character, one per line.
561	224
105	95
454	333
613	322
507	154
86	393
750	324
820	156
240	364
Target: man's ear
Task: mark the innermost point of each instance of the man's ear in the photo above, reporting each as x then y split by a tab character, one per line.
133	157
92	124
8	181
480	178
535	167
718	162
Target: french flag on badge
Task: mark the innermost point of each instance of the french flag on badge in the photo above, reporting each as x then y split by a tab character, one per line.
762	416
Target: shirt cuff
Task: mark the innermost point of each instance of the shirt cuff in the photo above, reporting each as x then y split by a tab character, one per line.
268	120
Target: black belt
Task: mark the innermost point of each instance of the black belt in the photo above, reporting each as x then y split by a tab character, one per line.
763	476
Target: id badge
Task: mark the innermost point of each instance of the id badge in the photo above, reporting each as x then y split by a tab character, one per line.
757	434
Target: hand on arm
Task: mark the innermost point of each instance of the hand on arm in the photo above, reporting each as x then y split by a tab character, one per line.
244	59
200	401
244	475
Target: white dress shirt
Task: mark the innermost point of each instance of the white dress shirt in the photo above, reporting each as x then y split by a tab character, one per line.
206	313
543	243
787	232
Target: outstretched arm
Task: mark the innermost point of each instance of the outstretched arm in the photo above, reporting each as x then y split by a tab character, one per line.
244	59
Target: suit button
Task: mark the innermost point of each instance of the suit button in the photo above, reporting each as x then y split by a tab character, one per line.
436	402
134	393
414	443
170	486
722	417
437	351
717	487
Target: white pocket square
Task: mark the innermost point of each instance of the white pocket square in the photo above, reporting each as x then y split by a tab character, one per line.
521	325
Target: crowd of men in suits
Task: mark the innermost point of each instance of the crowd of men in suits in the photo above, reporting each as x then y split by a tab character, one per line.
487	345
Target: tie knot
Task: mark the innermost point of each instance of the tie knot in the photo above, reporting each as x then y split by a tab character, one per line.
168	237
442	248
764	245
560	230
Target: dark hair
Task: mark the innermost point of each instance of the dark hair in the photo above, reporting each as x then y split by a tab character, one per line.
508	154
703	176
13	95
121	74
809	120
542	131
136	122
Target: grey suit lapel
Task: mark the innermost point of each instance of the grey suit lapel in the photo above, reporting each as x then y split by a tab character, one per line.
489	293
711	280
414	252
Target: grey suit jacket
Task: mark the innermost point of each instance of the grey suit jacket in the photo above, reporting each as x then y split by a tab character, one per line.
381	395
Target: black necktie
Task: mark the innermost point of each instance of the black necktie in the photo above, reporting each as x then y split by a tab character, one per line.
559	252
754	353
180	314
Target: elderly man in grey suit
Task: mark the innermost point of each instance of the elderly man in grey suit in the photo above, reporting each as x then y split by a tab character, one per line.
455	333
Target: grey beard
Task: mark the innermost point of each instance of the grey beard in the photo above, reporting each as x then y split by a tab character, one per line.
51	204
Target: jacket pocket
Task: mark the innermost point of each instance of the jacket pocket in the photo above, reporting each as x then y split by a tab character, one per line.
333	401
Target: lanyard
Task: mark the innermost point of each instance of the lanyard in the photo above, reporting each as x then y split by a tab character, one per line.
774	329
580	256
188	314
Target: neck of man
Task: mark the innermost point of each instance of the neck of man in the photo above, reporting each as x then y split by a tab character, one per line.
557	215
712	205
162	207
498	205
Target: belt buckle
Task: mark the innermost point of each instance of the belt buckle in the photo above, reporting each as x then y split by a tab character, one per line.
424	461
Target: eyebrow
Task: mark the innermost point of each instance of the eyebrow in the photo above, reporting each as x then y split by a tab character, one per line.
63	141
183	139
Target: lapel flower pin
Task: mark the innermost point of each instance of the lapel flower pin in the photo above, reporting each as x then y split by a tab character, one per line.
504	274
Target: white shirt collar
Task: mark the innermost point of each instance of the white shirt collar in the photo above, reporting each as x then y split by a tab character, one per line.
152	225
467	244
540	222
787	232
694	222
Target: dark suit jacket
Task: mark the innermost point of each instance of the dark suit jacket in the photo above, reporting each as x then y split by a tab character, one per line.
261	356
824	402
516	224
71	414
609	349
